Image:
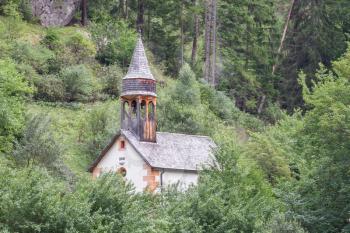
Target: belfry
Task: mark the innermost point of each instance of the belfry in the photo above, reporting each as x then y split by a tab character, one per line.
139	98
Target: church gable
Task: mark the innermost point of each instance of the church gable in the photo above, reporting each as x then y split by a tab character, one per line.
121	157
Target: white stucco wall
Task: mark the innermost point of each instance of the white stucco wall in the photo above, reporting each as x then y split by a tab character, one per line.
132	162
184	178
135	167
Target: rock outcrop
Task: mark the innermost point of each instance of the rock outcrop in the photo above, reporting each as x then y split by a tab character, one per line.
54	12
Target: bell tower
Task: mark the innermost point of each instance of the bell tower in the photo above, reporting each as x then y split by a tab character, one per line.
139	98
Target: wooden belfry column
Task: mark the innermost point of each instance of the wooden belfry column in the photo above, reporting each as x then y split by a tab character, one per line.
139	98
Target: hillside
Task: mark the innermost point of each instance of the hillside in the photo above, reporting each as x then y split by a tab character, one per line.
42	64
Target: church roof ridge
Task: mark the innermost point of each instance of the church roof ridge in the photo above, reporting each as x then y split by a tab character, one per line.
139	67
171	151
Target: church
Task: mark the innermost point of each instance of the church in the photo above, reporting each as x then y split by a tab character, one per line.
147	158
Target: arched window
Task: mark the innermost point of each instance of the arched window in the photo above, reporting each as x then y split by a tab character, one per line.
143	109
125	109
133	109
151	110
122	171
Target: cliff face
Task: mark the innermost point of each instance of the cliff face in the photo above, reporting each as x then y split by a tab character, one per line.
54	12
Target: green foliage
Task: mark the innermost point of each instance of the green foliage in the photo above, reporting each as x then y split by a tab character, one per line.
115	42
32	201
52	40
274	150
25	8
279	224
111	80
319	199
10	8
187	90
36	56
248	34
50	88
342	66
37	145
13	90
97	130
78	83
81	46
306	47
218	102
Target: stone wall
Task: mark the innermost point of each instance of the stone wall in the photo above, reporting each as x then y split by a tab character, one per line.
54	12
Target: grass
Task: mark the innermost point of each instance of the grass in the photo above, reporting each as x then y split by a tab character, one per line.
67	122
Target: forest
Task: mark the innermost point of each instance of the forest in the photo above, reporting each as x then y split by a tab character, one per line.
268	80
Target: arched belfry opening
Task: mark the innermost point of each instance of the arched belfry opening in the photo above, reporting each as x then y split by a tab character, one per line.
139	98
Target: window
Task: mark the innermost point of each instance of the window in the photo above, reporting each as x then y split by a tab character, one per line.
151	110
143	109
125	109
122	145
122	171
133	109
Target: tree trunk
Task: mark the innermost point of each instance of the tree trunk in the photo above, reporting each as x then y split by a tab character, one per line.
261	105
126	9
140	15
195	35
84	4
207	40
213	44
149	23
182	32
121	9
284	32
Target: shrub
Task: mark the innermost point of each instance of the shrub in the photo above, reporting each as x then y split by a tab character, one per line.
115	42
10	8
52	40
13	89
35	55
49	88
37	145
97	129
187	89
25	8
80	47
78	83
111	80
221	105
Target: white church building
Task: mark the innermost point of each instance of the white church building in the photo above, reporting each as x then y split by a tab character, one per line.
147	158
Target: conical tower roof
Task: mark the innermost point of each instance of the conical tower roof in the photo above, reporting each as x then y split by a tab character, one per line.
139	67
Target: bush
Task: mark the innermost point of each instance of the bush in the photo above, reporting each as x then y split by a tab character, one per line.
35	55
187	89
49	88
97	129
80	47
25	8
221	105
10	8
111	80
279	224
52	40
78	83
37	145
13	89
115	42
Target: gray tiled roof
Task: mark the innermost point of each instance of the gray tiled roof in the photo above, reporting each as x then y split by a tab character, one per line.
175	151
138	67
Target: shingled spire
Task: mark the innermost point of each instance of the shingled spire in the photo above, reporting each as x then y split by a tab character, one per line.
139	98
139	67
